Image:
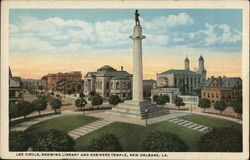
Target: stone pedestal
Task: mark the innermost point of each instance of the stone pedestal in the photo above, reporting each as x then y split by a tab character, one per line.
138	108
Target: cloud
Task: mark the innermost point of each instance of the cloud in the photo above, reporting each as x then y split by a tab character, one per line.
55	34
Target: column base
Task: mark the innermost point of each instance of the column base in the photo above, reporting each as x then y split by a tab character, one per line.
137	110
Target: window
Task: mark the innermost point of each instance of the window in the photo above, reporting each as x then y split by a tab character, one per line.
107	85
217	96
204	94
107	94
208	95
212	95
117	85
123	95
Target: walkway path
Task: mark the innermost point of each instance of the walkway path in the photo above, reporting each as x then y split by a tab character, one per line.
25	125
85	129
190	125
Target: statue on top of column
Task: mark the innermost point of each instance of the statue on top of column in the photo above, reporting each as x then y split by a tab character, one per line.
137	21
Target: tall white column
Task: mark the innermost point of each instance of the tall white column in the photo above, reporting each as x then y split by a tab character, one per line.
137	64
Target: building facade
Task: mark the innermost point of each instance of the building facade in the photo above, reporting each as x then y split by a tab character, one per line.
69	87
186	80
15	89
222	89
53	79
108	81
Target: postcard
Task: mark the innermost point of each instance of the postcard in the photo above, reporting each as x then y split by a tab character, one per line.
125	80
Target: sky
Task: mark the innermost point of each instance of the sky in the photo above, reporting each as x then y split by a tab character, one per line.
43	41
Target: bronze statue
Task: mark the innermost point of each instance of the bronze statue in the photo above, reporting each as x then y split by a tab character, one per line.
137	21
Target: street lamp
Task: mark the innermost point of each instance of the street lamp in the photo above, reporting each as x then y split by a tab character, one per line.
146	114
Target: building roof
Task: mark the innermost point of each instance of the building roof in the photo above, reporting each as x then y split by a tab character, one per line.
120	78
224	82
106	68
178	72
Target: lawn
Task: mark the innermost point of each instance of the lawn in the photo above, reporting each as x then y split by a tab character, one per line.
211	121
131	136
65	123
15	122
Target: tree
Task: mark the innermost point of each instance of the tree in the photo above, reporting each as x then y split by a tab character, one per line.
220	105
179	102
106	142
12	111
237	106
19	141
204	103
163	142
53	140
221	140
80	103
97	100
155	98
163	99
92	93
24	108
40	87
40	104
114	100
55	104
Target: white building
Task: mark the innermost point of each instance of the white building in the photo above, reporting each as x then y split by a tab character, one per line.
108	81
186	80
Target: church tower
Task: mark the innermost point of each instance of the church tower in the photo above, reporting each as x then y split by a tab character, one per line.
201	63
201	69
186	62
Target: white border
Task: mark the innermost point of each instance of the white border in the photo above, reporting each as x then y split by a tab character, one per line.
6	5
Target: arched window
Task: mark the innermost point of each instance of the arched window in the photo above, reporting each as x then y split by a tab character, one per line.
117	86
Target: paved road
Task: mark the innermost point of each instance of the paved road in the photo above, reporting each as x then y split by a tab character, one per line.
28	97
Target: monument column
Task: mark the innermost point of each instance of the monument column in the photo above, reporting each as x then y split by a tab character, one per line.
137	64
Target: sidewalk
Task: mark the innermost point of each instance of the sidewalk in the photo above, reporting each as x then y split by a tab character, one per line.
212	115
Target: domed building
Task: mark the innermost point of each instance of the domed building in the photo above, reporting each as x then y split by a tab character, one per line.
108	81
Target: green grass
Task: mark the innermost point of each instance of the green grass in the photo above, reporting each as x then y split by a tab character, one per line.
212	121
15	122
131	136
65	123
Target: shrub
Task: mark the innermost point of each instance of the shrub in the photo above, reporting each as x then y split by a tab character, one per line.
56	104
54	140
163	142
96	101
221	140
114	100
12	111
106	142
179	102
204	103
24	108
220	105
80	103
40	104
19	141
237	106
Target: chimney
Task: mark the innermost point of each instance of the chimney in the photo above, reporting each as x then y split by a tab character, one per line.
212	77
224	76
121	68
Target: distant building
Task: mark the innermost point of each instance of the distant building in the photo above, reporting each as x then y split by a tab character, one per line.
107	81
15	88
222	89
34	83
53	79
186	80
68	87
